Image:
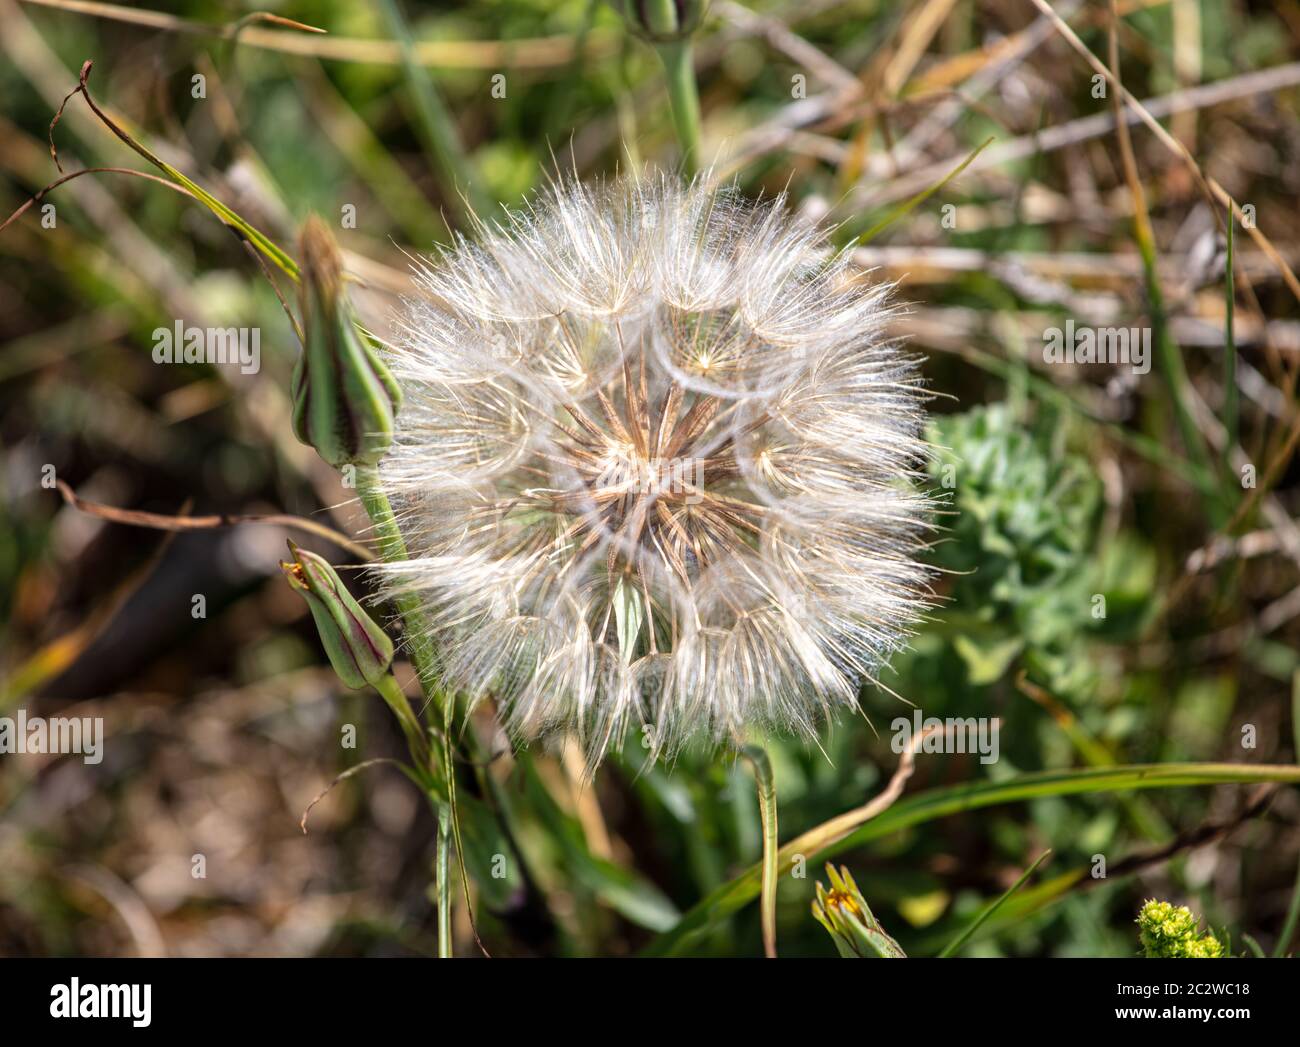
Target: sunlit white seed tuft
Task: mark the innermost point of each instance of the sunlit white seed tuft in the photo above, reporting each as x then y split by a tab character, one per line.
656	467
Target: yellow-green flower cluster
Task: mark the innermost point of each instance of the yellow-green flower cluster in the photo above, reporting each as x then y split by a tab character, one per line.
1170	932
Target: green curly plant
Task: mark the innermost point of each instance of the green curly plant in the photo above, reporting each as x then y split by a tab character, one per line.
1019	544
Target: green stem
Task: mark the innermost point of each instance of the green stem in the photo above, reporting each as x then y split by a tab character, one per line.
766	783
684	98
416	740
1171	361
444	881
1293	910
392	547
419	641
1292	918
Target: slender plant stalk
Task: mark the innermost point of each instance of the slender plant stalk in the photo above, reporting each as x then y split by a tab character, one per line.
392	547
907	205
766	783
678	57
1230	409
1295	714
444	880
1170	357
1292	918
416	739
1293	910
684	98
434	124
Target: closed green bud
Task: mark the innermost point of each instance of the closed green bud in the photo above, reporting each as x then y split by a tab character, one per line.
663	21
359	650
1170	932
845	914
344	399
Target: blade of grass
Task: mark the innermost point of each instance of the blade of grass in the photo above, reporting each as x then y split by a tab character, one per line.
1295	714
961	939
1292	918
254	236
443	878
940	803
907	205
1230	403
766	783
1171	359
434	124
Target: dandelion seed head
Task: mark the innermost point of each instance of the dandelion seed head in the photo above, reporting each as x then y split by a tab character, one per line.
657	467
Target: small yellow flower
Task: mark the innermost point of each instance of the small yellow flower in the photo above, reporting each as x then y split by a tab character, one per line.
845	914
1170	932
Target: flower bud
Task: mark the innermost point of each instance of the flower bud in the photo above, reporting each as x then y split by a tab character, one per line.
359	650
1171	932
663	21
344	399
845	914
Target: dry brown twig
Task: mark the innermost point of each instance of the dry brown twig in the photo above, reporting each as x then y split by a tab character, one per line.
161	522
1085	128
831	832
1212	189
539	53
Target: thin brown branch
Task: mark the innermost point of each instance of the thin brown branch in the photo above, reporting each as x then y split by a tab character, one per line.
40	195
342	778
161	522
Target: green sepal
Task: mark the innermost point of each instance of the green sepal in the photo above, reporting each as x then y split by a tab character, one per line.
358	649
345	400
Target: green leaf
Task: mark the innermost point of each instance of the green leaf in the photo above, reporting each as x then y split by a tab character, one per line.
907	205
